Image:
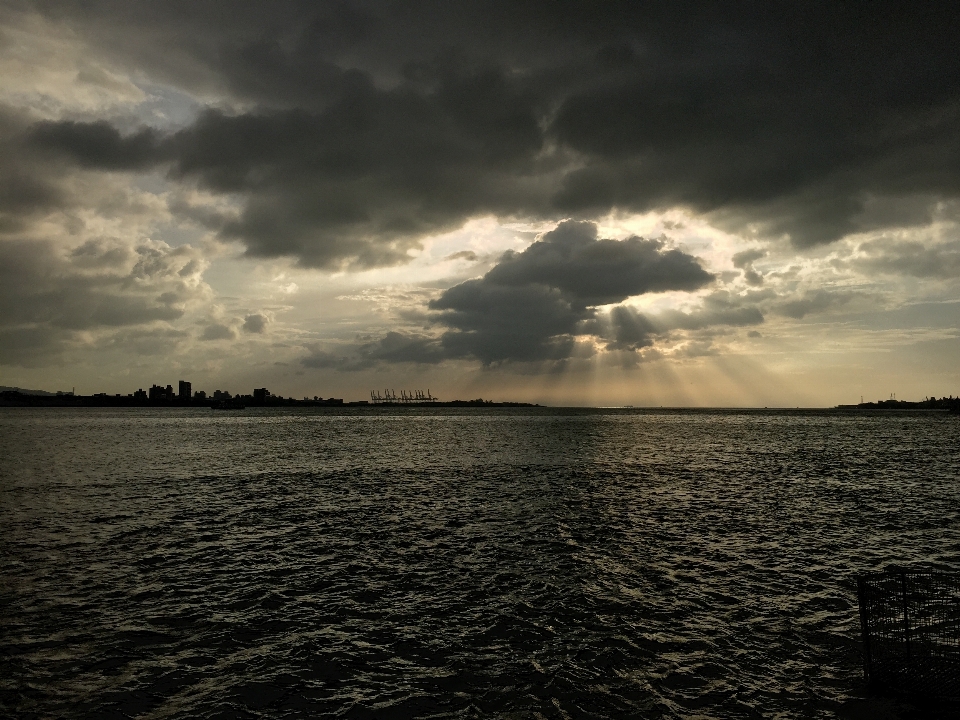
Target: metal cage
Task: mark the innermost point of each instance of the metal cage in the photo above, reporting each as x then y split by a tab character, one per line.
911	633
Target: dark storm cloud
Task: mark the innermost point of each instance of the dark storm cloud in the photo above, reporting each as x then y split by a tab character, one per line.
361	130
531	304
904	257
30	346
814	302
27	186
256	323
98	254
789	117
97	144
25	193
494	322
37	286
49	300
394	347
598	272
357	183
744	260
218	331
52	167
360	182
149	341
468	255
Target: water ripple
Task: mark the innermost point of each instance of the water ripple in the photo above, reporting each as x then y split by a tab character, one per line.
434	564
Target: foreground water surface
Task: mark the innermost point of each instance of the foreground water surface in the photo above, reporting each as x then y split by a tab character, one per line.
455	563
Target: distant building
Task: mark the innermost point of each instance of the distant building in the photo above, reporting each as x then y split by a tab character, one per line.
200	395
260	395
222	395
140	394
158	393
183	392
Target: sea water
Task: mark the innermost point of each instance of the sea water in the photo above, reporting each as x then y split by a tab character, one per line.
175	563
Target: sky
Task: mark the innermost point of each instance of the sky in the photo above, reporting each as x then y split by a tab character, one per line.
570	203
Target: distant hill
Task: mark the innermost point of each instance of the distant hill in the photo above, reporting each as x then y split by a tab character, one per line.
5	388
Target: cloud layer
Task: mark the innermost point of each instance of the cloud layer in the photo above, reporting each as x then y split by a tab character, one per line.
352	130
532	304
51	301
545	304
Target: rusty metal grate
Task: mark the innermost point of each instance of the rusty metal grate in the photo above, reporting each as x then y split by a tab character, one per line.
911	632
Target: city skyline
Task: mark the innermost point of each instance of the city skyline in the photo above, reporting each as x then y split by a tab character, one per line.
185	395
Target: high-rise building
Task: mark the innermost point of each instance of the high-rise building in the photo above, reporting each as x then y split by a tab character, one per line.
158	392
260	395
184	390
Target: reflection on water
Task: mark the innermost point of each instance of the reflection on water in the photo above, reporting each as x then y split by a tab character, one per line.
174	563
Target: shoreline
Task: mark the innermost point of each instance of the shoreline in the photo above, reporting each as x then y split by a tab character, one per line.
17	399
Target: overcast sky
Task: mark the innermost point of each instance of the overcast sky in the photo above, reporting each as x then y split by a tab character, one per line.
561	202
